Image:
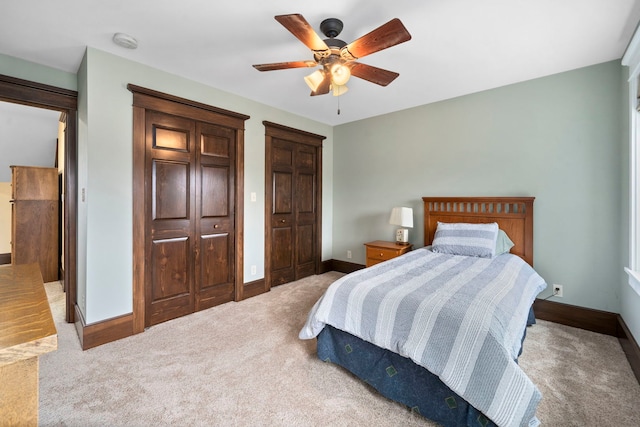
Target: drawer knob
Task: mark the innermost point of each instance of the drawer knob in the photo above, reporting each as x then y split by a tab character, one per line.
216	226
381	254
282	221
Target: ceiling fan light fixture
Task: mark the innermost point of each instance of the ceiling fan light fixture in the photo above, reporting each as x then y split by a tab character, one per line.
336	58
339	89
314	80
340	74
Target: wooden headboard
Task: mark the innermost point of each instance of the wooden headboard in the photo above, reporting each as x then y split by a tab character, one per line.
514	215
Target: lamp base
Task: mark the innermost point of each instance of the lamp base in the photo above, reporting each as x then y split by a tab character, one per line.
402	236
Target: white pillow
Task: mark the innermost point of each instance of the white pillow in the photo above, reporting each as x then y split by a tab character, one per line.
460	238
503	243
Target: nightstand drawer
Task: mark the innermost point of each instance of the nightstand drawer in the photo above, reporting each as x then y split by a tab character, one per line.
380	251
381	254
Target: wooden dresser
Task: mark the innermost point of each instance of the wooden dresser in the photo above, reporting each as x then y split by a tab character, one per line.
380	250
34	219
26	331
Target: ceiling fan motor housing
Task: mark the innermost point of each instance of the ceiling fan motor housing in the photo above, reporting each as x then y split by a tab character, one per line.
331	27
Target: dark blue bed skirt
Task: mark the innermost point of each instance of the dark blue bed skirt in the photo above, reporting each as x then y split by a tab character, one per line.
399	379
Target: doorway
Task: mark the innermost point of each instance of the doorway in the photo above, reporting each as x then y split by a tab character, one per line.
65	101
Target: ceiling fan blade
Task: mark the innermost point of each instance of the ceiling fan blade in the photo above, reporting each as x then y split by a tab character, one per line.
386	35
285	65
324	87
373	74
299	27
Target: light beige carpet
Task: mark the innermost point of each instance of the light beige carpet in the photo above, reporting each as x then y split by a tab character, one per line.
241	364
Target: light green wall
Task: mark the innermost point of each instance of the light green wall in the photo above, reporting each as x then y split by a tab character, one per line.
105	173
31	71
559	138
82	154
556	138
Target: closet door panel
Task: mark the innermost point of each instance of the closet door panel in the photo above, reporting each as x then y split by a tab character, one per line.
306	158
172	279
170	206
215	263
282	154
215	266
216	285
283	193
282	215
215	191
306	211
215	145
170	138
282	255
305	201
170	189
305	251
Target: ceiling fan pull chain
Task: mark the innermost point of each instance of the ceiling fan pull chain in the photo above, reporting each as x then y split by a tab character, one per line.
338	105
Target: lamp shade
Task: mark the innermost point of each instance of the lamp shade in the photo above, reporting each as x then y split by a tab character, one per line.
340	74
401	216
314	79
339	90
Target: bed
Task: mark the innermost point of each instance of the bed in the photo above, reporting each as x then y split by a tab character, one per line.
440	328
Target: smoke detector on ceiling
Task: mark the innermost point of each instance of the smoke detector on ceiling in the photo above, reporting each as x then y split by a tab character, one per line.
125	40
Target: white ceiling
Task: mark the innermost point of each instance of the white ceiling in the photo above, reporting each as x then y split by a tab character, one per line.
458	46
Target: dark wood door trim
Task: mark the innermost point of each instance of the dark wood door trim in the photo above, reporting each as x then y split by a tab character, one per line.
293	134
274	130
35	94
139	260
144	99
66	101
197	110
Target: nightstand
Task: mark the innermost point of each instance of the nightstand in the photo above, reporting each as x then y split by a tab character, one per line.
380	250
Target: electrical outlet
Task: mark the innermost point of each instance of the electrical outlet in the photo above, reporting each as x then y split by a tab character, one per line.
557	291
348	254
253	270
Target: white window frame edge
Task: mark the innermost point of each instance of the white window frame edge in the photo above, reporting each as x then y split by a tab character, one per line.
631	59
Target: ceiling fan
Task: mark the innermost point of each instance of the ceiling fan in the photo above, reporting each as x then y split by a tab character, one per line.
337	58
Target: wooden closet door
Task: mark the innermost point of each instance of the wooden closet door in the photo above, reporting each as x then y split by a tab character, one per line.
188	233
282	218
293	203
305	208
170	201
294	211
215	253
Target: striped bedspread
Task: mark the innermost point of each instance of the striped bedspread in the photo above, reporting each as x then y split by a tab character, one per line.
462	318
